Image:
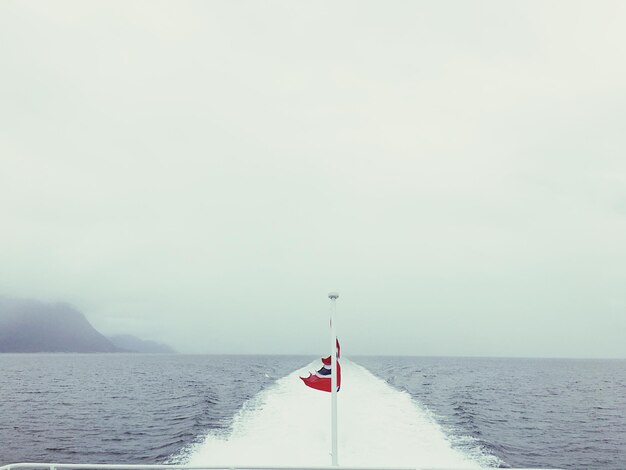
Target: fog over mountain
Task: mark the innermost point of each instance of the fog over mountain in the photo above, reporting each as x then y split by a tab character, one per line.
206	172
32	326
134	344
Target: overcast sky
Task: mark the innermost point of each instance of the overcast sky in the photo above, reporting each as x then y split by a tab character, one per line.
203	173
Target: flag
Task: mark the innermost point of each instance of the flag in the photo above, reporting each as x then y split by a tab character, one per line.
321	379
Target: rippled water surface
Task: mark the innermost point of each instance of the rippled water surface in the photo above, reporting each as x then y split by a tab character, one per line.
563	413
122	408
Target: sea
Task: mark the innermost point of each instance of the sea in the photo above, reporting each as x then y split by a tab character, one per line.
430	412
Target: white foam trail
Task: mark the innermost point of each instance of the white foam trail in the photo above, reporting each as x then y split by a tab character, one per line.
288	424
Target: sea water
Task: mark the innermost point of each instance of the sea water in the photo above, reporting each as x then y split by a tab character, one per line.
254	410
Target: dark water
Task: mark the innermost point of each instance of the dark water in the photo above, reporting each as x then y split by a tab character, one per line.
147	408
561	413
122	408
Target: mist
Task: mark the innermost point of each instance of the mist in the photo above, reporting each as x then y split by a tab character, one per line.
204	173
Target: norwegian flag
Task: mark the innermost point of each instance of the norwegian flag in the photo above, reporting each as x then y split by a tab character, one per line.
321	379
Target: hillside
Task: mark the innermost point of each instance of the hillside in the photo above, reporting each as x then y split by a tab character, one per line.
33	326
134	344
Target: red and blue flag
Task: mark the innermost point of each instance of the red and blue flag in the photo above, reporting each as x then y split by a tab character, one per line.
321	379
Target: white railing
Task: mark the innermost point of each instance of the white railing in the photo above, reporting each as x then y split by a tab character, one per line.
69	466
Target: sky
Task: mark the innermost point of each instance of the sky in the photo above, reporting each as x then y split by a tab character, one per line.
204	173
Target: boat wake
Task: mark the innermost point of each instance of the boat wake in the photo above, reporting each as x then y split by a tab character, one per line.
288	424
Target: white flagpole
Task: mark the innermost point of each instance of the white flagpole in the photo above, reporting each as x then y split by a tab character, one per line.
333	378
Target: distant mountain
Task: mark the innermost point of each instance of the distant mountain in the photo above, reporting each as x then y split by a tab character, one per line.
134	344
33	326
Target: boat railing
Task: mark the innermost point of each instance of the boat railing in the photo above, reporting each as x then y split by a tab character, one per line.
80	466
